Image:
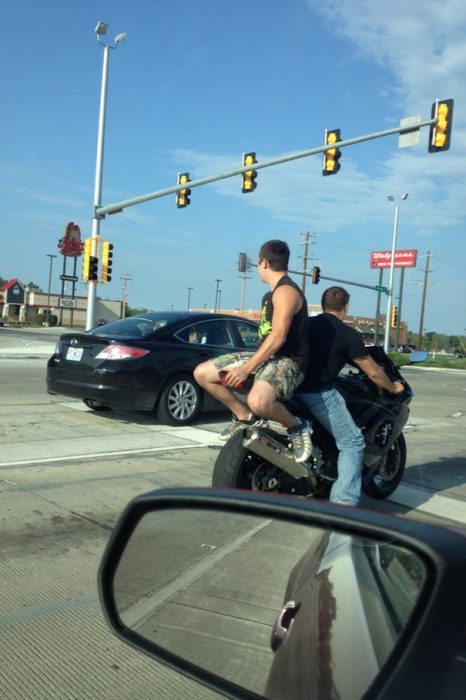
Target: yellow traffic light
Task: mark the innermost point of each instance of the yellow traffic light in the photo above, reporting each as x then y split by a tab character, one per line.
394	316
331	163
249	176
90	262
107	261
439	137
183	196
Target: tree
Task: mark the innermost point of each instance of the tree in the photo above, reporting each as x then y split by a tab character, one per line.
136	311
33	286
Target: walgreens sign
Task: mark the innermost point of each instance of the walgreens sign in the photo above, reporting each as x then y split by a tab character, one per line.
403	258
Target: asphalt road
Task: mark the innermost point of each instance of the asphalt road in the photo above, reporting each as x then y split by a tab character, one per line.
67	472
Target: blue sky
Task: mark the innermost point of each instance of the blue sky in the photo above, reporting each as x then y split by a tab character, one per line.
194	86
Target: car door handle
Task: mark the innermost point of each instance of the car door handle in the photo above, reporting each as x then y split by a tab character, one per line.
283	624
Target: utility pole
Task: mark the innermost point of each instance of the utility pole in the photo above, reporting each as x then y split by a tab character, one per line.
125	278
243	290
306	257
423	302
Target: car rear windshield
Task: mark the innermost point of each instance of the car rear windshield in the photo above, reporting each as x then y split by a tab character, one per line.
131	327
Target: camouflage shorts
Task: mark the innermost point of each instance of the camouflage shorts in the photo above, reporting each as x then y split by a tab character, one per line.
282	373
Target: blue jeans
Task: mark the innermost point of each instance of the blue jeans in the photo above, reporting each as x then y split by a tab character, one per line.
330	410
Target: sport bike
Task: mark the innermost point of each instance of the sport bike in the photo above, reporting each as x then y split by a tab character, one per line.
260	457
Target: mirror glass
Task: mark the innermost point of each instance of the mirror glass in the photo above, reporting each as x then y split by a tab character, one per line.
282	609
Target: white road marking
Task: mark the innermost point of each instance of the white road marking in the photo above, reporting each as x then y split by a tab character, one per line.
405	495
428	502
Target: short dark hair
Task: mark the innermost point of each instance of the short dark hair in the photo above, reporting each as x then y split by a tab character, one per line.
276	253
335	299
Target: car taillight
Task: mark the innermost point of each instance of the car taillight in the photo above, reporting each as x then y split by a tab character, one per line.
120	352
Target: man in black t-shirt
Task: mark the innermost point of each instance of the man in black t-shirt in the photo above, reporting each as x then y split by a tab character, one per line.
331	345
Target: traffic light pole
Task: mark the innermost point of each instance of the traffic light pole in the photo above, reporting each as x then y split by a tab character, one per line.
101	212
377	288
92	284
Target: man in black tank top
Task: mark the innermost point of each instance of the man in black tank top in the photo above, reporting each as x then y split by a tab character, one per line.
279	363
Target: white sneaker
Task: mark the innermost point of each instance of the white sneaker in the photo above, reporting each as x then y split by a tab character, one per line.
300	438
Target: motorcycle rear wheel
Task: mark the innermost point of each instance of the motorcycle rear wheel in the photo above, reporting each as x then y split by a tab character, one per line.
238	468
381	480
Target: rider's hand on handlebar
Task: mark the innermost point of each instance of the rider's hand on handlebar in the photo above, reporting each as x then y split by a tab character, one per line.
400	388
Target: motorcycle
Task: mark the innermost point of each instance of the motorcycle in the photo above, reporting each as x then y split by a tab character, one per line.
260	457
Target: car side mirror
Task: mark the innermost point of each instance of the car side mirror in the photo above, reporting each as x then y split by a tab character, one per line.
275	597
418	356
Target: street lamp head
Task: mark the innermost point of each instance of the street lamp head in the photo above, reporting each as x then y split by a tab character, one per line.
405	196
101	28
390	197
120	37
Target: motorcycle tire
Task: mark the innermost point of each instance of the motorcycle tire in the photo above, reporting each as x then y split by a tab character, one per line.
238	468
381	480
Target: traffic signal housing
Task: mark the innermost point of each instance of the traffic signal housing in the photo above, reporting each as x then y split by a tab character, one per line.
242	262
90	262
331	163
393	316
183	196
440	133
107	261
249	176
315	275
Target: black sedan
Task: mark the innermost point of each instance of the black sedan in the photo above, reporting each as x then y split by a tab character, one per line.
146	363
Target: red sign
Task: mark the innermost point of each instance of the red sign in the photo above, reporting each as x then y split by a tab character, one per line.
70	245
403	258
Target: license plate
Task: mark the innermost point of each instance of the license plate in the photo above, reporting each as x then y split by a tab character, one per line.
74	354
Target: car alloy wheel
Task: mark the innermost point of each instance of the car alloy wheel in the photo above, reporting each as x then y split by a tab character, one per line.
180	401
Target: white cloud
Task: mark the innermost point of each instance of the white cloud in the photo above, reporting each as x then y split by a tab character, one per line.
421	43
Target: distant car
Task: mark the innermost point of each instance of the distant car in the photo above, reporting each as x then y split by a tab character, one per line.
459	352
406	347
146	362
102	322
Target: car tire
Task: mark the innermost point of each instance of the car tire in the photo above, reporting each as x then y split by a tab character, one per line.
180	401
95	405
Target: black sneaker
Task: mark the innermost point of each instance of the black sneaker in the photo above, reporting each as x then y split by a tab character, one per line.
236	426
300	438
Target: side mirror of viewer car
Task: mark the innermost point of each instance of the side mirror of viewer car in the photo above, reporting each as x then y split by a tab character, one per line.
268	596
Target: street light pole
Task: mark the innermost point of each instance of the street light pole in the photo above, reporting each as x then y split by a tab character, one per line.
217	295
190	289
49	255
100	30
392	269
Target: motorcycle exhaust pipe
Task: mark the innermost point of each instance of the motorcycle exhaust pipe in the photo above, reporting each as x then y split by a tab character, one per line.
275	453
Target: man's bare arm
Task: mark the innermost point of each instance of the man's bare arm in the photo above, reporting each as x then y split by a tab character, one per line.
286	302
